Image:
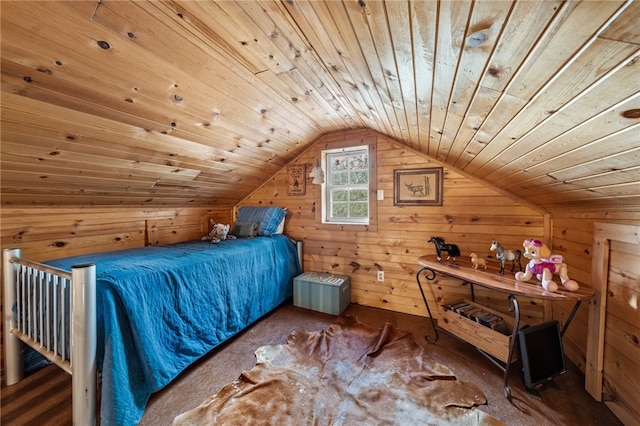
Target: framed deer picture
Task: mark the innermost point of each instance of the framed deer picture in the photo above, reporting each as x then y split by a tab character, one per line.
418	187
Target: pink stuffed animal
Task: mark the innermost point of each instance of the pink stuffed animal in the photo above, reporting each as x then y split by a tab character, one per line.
543	265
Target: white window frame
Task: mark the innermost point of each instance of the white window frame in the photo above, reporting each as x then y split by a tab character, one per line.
327	206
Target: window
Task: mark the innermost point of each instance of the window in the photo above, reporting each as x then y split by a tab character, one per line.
347	186
347	200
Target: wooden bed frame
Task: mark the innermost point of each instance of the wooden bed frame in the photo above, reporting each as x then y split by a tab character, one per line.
80	359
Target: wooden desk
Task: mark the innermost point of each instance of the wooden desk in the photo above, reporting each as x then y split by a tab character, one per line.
507	284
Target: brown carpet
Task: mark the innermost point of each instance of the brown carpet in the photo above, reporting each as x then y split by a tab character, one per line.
44	398
565	402
350	373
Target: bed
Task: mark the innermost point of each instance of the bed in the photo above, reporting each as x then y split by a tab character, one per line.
140	316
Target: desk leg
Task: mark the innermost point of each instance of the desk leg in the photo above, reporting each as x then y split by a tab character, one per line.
430	275
512	304
570	318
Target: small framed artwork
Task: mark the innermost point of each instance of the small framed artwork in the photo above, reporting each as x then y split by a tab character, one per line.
296	180
418	187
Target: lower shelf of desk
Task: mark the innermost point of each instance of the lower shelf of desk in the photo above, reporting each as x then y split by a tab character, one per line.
484	338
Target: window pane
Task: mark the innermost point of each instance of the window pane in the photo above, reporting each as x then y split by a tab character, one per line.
339	210
358	195
358	209
339	195
358	162
337	162
340	178
360	178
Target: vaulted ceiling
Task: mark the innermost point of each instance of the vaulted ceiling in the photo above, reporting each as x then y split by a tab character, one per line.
198	102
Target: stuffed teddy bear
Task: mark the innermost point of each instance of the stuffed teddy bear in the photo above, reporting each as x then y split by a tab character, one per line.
543	265
218	233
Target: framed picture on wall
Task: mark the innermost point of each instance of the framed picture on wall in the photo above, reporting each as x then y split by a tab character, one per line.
296	180
418	187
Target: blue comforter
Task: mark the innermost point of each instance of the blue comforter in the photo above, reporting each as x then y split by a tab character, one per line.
162	308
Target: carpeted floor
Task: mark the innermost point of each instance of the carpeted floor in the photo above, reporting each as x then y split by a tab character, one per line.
347	374
564	403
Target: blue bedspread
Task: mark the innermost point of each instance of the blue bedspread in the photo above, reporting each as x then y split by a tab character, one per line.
162	308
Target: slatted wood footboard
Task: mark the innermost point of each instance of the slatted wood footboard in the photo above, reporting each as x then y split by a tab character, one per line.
54	312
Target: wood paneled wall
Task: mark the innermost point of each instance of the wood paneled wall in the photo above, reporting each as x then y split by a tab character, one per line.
573	235
51	233
472	215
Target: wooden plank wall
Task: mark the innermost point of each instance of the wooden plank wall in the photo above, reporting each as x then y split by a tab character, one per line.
573	235
621	371
472	215
573	238
51	233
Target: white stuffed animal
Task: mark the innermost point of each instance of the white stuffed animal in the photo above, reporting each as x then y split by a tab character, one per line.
543	265
218	233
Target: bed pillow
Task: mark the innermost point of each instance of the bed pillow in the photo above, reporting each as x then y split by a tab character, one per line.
245	229
268	218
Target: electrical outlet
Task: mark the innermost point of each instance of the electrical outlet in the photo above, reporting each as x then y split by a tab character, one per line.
381	276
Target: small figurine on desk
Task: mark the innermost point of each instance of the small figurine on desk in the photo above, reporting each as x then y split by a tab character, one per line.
478	261
543	264
503	255
452	250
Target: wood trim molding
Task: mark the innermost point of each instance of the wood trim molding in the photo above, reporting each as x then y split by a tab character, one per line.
603	234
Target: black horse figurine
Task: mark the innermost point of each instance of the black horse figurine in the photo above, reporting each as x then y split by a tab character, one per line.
452	250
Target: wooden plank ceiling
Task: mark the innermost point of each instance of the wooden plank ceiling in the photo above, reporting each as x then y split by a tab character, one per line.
197	102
